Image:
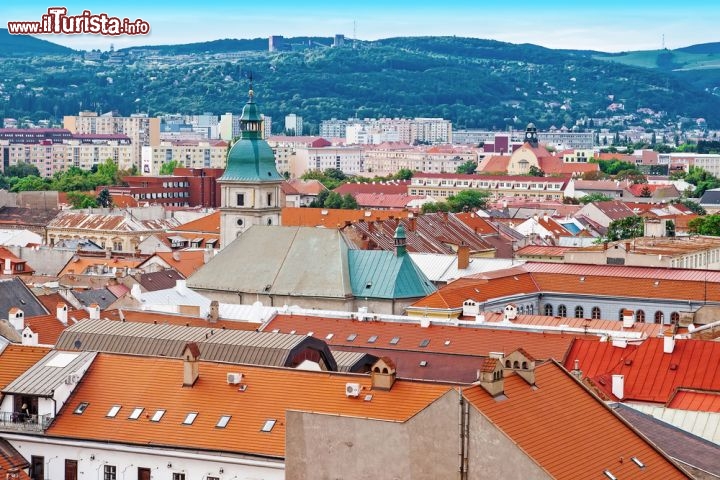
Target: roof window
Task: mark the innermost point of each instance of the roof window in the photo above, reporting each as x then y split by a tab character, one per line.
137	411
394	340
268	425
112	413
222	423
190	418
157	415
81	408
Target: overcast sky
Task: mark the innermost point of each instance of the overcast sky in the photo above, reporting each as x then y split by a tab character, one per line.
609	25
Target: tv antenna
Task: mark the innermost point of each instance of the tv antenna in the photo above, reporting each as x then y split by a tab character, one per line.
663	41
354	32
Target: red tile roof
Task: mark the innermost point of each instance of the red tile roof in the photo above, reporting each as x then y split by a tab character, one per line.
567	430
156	383
477	223
695	400
207	224
184	261
16	359
649	374
49	328
332	217
307	187
447	339
398	186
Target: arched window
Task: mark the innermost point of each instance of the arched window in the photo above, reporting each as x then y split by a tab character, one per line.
507	364
516	364
562	311
521	309
596	313
579	313
674	318
620	315
530	309
659	317
524	366
640	316
548	310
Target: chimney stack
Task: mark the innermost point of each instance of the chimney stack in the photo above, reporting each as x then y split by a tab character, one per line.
668	343
490	376
576	372
94	311
628	318
618	386
463	256
214	312
16	317
382	374
29	337
191	364
62	313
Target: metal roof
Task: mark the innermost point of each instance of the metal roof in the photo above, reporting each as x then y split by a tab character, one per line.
102	296
237	346
702	424
624	271
14	293
353	361
383	274
43	378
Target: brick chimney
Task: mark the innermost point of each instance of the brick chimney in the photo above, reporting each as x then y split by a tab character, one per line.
214	311
383	374
412	223
191	364
463	256
490	376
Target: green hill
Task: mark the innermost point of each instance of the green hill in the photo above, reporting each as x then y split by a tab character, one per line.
23	45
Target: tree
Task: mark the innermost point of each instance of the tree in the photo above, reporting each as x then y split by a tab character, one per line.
628	227
690	205
333	200
81	200
645	192
707	225
349	202
594	197
169	167
403	174
30	184
107	173
536	172
468	167
468	200
432	207
104	199
670	228
22	170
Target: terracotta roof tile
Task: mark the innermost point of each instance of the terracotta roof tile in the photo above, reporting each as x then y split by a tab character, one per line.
78	265
49	328
156	383
207	224
332	217
592	438
184	261
696	400
11	461
16	359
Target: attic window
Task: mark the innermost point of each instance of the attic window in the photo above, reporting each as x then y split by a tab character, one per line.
423	363
373	339
329	336
609	475
394	340
368	285
190	418
157	415
136	413
637	462
112	413
447	342
351	337
222	423
425	343
268	425
81	408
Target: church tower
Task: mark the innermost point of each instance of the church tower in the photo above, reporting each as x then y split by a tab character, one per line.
250	185
531	136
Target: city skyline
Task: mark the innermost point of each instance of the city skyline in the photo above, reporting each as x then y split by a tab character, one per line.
612	26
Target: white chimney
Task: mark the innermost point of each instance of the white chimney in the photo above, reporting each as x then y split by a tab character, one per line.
618	386
62	313
16	317
668	343
135	291
628	318
94	311
181	287
29	337
8	267
510	313
424	322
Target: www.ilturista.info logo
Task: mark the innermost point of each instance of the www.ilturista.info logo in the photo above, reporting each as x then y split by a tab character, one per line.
57	21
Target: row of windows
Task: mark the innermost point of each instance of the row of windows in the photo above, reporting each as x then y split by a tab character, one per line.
596	314
162	195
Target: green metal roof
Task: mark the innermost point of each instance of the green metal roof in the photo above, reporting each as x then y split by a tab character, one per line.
382	274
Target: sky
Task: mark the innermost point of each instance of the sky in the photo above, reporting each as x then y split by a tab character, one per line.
608	25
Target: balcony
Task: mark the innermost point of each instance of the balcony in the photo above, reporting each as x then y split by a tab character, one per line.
15	421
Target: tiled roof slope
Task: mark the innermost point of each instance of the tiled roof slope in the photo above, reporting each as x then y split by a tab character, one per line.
184	261
698	401
649	374
567	430
156	383
333	217
160	280
207	224
12	460
442	338
49	328
16	359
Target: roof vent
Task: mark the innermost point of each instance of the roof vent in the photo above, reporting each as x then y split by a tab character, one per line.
352	390
234	378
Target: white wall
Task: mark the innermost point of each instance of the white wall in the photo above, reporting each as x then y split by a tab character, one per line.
92	457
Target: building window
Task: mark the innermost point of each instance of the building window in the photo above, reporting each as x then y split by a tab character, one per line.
240	199
579	313
269	199
640	316
659	317
109	472
674	318
19	267
117	246
548	310
178	476
562	311
596	313
621	314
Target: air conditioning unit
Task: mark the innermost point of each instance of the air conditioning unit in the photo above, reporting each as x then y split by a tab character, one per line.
72	378
352	389
234	378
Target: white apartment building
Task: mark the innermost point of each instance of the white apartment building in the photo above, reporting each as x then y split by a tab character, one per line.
387	160
333	128
378	130
347	159
201	154
294	124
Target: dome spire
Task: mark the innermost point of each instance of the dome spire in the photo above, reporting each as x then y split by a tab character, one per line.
250	120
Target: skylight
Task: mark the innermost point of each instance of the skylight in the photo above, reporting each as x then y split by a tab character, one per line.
62	359
609	474
351	337
222	423
329	336
425	342
372	339
190	418
113	411
137	411
423	363
269	424
81	408
637	462
157	415
394	340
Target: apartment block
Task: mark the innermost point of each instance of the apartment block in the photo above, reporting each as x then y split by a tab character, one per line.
189	154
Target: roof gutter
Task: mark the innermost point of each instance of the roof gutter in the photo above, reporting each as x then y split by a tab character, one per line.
168	452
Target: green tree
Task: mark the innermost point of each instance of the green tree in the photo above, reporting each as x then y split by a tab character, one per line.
30	184
169	167
81	200
468	167
468	200
670	228
690	205
536	172
594	197
349	202
432	207
333	200
403	174
628	227
104	199
707	225
319	201
107	173
22	170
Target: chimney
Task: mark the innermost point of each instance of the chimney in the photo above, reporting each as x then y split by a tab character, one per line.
668	343
545	217
424	322
62	313
16	317
510	312
576	372
382	374
94	311
463	256
135	291
618	386
490	376
8	267
29	337
176	256
181	287
605	245
207	253
108	252
412	223
627	246
191	364
628	318
214	311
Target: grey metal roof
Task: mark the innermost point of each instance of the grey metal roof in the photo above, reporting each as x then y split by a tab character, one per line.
353	361
43	378
236	346
275	260
14	293
102	296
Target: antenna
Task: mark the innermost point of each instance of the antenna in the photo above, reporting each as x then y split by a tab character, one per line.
663	41
354	32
